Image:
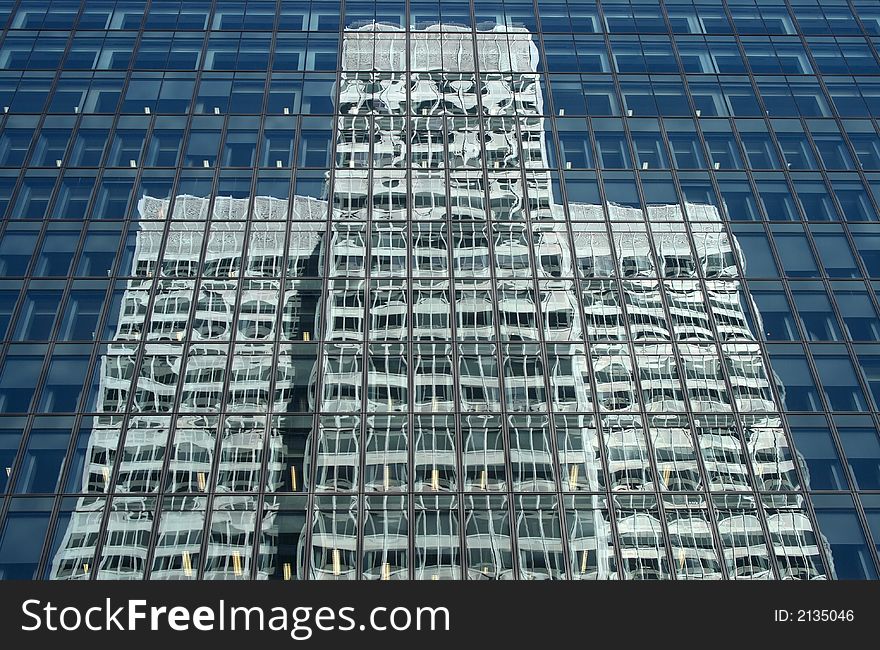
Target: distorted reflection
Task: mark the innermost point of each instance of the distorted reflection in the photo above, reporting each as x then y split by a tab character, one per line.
490	382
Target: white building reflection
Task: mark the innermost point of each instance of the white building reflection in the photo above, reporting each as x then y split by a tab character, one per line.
473	421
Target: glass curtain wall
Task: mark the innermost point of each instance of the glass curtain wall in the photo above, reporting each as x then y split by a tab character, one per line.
418	290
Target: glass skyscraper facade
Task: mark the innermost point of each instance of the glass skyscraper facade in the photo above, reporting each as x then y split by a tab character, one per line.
514	289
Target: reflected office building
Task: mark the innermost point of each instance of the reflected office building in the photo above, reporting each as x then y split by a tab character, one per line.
470	290
443	369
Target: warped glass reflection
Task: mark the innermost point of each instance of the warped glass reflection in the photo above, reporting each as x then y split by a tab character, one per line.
441	370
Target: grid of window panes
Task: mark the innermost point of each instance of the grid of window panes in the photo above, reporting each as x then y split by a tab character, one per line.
402	289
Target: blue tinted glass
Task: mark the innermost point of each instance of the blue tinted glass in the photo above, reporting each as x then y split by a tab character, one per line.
39	469
10	438
21	543
800	389
838	378
862	448
253	253
776	315
821	458
846	538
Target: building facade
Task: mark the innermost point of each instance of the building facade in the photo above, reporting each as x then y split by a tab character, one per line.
480	290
